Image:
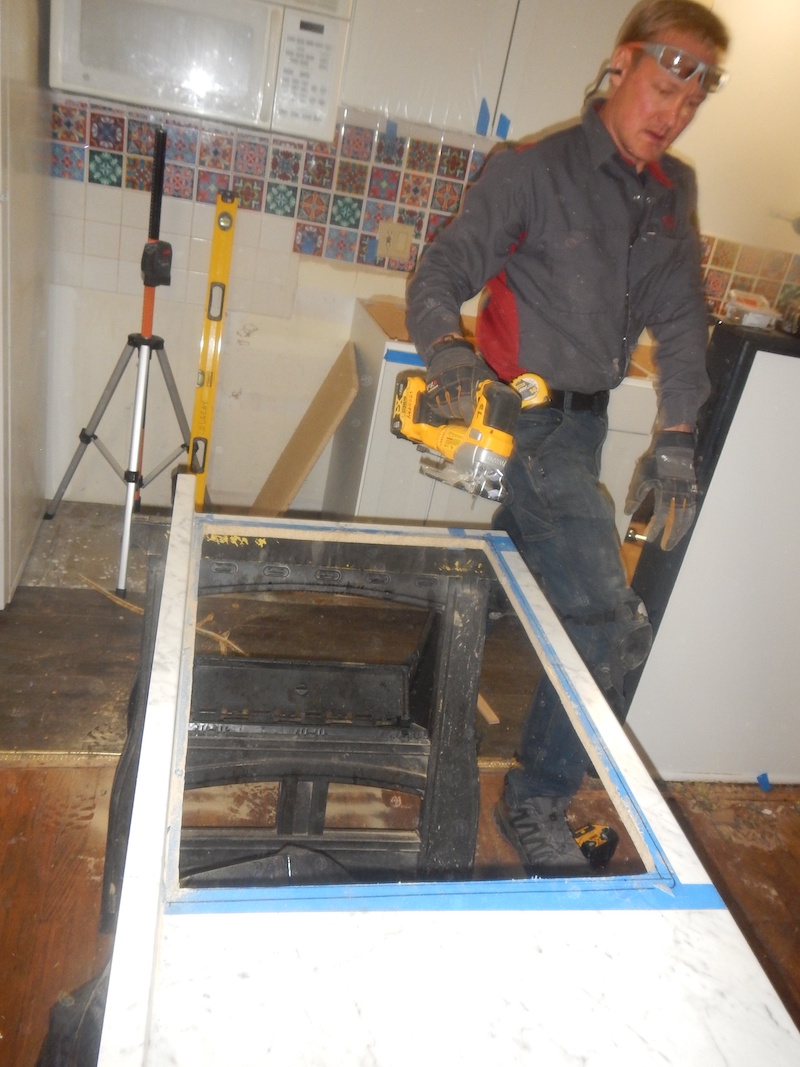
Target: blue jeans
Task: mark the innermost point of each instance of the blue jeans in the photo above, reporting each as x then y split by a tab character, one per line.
562	523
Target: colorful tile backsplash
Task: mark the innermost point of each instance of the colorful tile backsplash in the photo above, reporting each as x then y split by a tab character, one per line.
339	193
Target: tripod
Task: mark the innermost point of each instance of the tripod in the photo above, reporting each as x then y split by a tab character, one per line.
156	265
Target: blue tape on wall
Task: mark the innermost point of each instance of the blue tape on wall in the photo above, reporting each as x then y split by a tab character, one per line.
391	130
483	119
503	126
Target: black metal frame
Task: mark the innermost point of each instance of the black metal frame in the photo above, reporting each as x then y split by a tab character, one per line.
308	724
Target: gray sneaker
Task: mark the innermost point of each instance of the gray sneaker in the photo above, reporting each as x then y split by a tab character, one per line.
539	831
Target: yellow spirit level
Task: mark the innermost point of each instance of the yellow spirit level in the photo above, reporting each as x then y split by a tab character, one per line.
205	394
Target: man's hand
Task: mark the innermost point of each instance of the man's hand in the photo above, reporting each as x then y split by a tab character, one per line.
668	471
453	376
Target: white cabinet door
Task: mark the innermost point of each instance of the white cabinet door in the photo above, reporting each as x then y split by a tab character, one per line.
558	49
433	62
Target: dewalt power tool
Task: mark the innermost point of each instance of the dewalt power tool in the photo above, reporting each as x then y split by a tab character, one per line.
470	457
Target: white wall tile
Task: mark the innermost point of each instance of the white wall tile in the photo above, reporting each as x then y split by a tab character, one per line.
199	254
100	273
68	198
101	239
176	217
67	233
104	204
248	229
66	268
196	287
135	211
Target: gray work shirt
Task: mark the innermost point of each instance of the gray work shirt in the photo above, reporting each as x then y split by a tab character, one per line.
576	253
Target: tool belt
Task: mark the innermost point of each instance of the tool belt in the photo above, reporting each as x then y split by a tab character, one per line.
597	403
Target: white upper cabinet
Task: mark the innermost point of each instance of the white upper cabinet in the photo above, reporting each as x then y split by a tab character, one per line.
558	50
504	68
434	62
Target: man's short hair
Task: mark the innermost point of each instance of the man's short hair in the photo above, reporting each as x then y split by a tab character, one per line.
651	18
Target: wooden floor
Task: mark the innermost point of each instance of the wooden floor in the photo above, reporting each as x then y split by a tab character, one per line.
68	656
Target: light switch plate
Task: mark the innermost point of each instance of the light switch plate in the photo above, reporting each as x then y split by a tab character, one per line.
394	240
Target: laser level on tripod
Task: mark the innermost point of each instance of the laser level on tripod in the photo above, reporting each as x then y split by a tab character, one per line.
156	267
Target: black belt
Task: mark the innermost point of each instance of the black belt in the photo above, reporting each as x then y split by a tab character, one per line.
567	401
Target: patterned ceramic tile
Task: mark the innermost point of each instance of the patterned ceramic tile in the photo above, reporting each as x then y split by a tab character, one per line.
368	251
139	173
341	244
425	195
250	192
281	199
346	211
357	143
105	168
476	162
67	161
69	123
324	148
141	137
309	240
384	183
768	289
415	219
743	282
286	162
106	131
725	254
453	162
435	223
446	196
251	156
716	283
750	260
318	170
376	212
390	150
215	150
422	155
182	144
706	249
209	183
313	206
351	177
404	264
775	265
416	189
178	181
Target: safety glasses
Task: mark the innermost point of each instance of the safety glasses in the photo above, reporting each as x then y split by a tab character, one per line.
685	66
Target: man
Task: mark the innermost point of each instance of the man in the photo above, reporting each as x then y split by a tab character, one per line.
579	242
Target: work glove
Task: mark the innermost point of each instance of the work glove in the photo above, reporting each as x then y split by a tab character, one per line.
454	373
667	471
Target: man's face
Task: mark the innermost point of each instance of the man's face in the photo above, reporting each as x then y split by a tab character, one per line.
648	107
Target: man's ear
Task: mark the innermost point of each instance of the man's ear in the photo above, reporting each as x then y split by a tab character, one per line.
621	63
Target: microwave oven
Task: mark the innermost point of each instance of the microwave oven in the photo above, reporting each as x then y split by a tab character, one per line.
247	62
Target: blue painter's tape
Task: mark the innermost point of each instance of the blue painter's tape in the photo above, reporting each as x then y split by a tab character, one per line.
633	893
483	119
393	356
391	130
764	782
503	126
